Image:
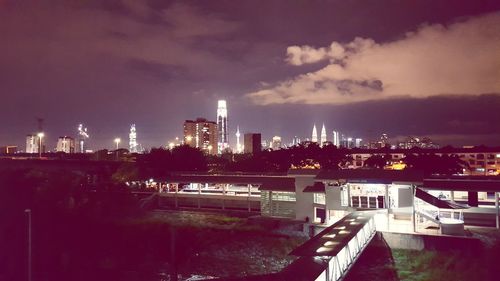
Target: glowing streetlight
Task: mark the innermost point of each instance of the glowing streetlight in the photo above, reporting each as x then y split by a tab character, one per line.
117	142
40	137
171	145
189	138
210	147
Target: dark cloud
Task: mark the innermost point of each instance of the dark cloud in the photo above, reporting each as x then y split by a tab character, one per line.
156	63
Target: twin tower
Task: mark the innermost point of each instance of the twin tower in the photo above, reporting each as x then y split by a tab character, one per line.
315	135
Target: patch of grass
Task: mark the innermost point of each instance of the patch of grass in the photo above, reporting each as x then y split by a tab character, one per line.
433	265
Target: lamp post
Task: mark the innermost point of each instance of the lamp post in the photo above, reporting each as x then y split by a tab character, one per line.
40	137
117	142
28	213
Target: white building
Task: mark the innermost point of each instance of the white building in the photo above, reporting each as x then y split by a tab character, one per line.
222	133
65	144
32	144
133	146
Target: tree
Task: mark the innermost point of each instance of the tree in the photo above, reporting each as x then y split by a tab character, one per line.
432	164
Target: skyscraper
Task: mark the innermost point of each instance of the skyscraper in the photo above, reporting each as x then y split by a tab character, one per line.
132	143
323	135
222	134
276	143
201	134
82	139
65	144
32	144
253	143
238	144
336	138
314	134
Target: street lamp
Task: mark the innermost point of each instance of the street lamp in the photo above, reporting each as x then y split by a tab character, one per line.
117	141
40	137
28	213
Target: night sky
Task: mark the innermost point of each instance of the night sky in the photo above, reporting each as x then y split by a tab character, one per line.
426	68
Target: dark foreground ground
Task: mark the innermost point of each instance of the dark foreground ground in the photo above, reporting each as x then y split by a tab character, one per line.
155	246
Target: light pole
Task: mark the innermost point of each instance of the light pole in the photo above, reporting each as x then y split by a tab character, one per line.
40	137
28	212
117	142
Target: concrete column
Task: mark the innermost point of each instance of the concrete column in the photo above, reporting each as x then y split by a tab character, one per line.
387	203
271	203
199	195
349	202
248	198
413	218
497	210
472	198
176	191
452	195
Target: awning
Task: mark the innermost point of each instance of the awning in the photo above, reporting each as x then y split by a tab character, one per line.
441	204
317	187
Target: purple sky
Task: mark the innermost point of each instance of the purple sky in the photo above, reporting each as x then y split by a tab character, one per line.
427	68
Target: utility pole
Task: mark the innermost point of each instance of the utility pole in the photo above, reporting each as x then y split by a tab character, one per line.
28	212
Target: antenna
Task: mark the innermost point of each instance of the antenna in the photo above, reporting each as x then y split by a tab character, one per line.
40	124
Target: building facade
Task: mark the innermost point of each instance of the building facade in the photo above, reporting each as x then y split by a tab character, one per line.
222	133
65	144
252	143
201	134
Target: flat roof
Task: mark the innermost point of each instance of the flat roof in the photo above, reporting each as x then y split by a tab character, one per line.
332	239
372	175
488	184
274	183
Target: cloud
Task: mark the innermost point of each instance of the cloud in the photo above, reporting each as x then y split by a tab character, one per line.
459	59
59	37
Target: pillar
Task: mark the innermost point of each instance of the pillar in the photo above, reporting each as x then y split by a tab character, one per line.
249	206
497	211
413	218
271	203
349	202
199	195
387	203
176	191
472	198
452	195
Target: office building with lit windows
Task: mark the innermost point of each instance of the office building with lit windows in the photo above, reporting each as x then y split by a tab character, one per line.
201	134
65	144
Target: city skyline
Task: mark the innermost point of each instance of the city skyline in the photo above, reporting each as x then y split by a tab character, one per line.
204	52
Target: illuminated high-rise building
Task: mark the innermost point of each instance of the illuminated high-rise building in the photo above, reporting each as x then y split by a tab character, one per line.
65	144
314	134
276	143
323	135
357	142
82	139
201	134
222	133
295	140
336	138
132	140
239	148
32	144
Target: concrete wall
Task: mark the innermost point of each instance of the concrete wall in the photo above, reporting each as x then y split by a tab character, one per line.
405	196
333	198
420	242
305	200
